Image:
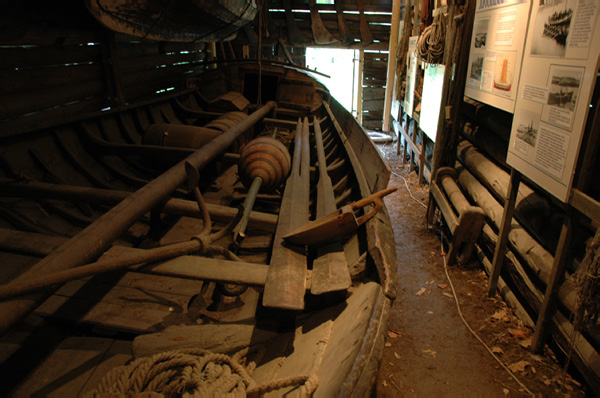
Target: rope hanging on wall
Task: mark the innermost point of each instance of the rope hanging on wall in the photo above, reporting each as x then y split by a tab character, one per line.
430	44
193	371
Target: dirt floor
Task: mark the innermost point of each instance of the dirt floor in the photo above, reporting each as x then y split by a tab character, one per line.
429	351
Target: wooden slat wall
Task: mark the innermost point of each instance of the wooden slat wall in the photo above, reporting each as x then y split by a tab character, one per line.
374	80
57	63
161	65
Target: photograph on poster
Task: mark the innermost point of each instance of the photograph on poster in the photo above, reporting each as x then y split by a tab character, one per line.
563	92
564	87
528	127
504	70
476	72
551	28
480	32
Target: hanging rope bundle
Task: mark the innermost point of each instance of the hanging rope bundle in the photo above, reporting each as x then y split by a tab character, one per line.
430	44
587	307
196	372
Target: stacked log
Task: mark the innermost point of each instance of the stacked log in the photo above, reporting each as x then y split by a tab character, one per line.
532	237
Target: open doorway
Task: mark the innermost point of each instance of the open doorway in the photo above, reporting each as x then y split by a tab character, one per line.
342	67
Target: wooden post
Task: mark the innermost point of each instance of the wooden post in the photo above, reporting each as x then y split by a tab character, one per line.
212	55
112	72
558	270
507	215
361	63
564	242
442	134
391	65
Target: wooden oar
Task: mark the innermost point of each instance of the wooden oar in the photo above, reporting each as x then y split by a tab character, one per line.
345	35
294	33
320	32
330	268
366	36
286	279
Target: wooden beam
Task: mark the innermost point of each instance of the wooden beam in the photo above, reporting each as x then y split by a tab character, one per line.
390	84
359	95
505	226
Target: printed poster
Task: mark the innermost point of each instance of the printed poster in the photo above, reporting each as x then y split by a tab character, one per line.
411	75
559	70
432	99
499	32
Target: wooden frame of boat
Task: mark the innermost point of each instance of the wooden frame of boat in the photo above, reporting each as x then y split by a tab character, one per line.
148	269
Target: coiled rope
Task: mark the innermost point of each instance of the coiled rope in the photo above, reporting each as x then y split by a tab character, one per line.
430	44
194	371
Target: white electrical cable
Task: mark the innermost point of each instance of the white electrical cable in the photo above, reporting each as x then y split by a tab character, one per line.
408	189
472	331
456	298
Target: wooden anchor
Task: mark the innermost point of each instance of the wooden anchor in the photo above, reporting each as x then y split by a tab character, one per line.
286	279
320	32
330	268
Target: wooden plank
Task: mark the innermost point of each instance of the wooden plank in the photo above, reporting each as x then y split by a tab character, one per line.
373	93
127	309
220	338
67	370
26	242
30	57
585	204
373	56
22	103
330	268
118	354
156	61
286	279
63	113
373	105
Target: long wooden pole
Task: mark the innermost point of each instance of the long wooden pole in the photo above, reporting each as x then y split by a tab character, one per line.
97	237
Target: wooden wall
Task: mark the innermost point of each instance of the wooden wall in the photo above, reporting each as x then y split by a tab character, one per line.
57	62
374	82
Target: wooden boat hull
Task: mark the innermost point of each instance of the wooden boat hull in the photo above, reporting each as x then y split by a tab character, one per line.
60	182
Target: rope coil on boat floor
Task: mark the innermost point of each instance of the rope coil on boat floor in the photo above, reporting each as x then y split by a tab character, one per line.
194	371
